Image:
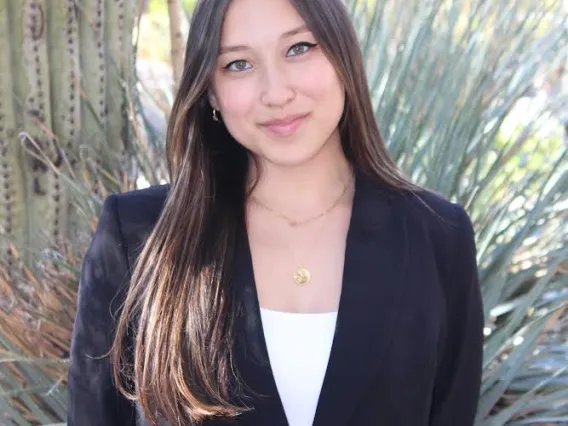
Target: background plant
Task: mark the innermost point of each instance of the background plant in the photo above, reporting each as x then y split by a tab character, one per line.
66	86
454	89
466	96
66	76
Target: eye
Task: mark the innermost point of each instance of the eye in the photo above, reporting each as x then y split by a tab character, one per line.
301	48
238	66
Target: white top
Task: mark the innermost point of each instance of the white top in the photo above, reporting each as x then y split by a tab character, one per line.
298	345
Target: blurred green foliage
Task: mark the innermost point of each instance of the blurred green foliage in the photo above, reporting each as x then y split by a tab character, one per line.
453	87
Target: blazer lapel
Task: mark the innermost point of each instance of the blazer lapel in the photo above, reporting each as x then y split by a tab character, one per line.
371	299
251	355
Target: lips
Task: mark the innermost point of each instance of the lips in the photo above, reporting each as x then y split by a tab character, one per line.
286	125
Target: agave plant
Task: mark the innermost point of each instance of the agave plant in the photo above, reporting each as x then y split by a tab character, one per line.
453	84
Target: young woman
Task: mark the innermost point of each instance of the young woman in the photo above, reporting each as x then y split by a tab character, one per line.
289	274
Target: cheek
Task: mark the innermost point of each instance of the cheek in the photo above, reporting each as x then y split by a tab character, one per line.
237	99
321	83
237	104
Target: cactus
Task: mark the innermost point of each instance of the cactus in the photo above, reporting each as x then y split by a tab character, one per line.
66	78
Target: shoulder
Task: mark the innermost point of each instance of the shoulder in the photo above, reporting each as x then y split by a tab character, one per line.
141	202
438	226
434	213
418	208
141	206
136	212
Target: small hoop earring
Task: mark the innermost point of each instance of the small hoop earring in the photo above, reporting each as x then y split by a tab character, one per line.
215	117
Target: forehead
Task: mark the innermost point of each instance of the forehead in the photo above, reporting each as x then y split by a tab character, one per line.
258	20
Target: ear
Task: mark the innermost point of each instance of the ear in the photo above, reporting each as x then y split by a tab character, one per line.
213	99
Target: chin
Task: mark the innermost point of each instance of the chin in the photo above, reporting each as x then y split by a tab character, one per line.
294	157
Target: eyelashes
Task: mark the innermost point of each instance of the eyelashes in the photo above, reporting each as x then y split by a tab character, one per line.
298	49
303	44
239	62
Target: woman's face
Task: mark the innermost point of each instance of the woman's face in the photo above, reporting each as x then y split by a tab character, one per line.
276	91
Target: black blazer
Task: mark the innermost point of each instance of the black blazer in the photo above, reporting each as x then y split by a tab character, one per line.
408	345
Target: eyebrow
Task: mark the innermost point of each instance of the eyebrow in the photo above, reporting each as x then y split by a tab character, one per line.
236	48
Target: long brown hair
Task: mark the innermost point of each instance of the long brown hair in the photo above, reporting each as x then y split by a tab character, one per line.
178	317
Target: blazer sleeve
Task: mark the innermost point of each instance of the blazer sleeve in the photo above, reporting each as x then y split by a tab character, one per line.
92	398
458	378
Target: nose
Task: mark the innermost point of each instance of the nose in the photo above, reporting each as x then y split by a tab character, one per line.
276	88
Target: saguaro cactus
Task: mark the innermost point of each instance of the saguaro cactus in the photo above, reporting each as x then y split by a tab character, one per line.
66	74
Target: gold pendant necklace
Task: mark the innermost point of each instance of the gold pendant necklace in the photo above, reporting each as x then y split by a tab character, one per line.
302	275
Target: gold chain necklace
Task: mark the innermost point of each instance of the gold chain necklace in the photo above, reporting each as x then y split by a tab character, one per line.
293	222
302	275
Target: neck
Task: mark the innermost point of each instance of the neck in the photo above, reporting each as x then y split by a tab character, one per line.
306	189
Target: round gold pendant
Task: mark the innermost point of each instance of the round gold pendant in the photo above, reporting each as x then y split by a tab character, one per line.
301	276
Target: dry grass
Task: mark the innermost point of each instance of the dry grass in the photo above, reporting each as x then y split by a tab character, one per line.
36	318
